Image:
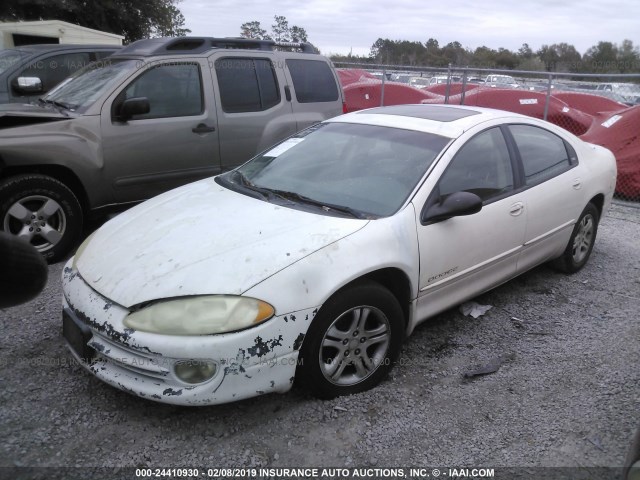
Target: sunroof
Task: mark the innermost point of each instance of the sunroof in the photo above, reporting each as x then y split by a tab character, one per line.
428	112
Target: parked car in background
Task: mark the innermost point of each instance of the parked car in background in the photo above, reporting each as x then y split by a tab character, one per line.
158	114
419	82
315	259
628	92
501	81
440	79
29	71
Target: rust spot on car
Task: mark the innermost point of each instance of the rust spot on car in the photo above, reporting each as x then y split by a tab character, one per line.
69	274
298	342
172	393
261	348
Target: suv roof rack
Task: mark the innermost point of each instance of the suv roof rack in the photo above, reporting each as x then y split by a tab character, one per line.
191	45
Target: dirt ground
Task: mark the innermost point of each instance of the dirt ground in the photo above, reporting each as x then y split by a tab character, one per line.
566	393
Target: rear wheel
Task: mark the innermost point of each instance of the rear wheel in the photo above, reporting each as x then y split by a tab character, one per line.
42	211
353	342
581	242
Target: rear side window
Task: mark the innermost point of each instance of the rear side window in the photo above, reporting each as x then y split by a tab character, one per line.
313	81
544	155
247	84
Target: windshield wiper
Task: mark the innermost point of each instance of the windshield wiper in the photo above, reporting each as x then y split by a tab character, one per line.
327	207
264	193
269	194
56	103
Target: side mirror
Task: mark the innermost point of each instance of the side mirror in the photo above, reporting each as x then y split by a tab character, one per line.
455	205
131	107
28	85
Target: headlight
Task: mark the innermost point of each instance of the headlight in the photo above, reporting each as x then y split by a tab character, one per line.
81	248
200	315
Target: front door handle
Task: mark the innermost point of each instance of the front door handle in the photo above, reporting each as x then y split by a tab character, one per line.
203	128
516	209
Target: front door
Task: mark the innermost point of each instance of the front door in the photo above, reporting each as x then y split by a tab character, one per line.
463	256
175	143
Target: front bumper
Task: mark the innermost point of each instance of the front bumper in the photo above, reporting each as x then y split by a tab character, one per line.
251	362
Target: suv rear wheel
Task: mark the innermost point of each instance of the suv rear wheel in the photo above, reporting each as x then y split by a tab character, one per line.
42	211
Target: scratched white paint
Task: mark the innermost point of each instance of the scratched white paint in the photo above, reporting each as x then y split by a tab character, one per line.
201	239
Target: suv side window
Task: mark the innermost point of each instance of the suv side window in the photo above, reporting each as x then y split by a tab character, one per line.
544	155
482	166
247	84
313	81
173	90
52	70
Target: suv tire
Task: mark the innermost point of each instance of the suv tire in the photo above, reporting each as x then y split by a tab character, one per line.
43	211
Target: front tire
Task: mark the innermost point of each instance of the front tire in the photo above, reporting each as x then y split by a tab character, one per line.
42	211
581	242
353	342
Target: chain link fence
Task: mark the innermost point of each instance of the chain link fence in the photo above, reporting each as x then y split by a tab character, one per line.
600	109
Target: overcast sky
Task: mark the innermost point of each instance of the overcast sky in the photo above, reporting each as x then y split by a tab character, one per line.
338	26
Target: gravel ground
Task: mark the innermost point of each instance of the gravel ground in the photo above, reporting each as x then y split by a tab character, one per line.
566	394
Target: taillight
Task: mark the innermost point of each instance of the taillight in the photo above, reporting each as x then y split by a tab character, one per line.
344	107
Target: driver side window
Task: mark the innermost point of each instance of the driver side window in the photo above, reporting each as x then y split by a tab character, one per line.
173	90
482	166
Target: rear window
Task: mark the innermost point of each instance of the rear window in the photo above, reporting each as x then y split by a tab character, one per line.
313	81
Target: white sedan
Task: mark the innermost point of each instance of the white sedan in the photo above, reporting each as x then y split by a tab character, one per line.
314	260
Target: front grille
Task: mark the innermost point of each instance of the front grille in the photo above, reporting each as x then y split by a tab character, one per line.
130	359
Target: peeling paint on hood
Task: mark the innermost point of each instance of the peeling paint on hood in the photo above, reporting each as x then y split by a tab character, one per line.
201	239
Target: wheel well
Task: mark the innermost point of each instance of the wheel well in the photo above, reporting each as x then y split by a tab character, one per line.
397	282
58	172
598	201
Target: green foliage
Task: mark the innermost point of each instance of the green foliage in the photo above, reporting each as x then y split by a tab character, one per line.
280	31
134	19
605	57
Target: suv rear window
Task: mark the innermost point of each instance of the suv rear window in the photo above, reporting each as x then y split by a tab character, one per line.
247	84
313	81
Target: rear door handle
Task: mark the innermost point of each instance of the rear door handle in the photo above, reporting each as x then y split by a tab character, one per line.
287	93
203	128
577	183
516	209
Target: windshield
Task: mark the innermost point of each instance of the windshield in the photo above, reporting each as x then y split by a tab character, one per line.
363	171
83	88
8	58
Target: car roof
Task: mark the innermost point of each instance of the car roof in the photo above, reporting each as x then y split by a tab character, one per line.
195	45
446	120
40	48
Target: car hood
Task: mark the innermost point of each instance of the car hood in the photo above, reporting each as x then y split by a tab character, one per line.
201	239
20	114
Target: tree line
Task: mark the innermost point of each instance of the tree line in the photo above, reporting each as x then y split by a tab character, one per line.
604	57
133	19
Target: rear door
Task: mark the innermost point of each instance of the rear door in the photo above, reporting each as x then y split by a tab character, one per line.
253	112
552	192
173	144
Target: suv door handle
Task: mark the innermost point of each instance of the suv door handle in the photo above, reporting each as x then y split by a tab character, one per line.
203	128
287	93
